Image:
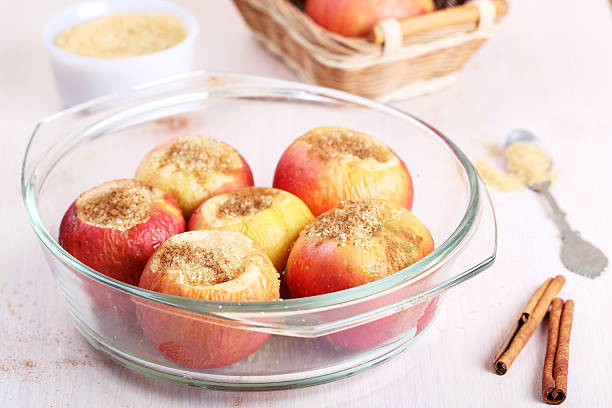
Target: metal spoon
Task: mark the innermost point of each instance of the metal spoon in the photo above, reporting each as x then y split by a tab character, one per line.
577	255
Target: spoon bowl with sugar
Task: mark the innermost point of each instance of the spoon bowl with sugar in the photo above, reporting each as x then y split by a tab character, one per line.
577	254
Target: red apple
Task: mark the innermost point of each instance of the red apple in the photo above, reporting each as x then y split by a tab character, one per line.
355	18
115	228
272	218
192	169
353	244
206	265
428	315
331	164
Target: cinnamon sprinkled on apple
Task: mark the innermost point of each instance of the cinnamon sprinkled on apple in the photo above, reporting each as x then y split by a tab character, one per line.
331	142
377	225
200	155
247	201
400	254
203	263
352	223
120	205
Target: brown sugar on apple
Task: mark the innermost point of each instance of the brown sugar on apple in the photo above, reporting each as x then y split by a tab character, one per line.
350	223
271	217
396	254
203	266
212	265
355	243
356	224
221	266
119	207
331	142
331	164
247	201
114	228
200	156
193	169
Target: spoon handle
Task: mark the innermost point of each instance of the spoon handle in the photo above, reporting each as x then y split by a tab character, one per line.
577	255
558	213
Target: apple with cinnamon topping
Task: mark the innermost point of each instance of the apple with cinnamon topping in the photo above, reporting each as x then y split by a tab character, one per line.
272	218
192	169
115	228
353	244
206	265
331	164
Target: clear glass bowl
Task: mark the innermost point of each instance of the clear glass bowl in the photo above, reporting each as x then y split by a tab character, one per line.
299	342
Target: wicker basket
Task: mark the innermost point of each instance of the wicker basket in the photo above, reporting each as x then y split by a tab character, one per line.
399	60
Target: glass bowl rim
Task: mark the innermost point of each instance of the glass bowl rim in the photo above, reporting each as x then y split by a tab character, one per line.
359	293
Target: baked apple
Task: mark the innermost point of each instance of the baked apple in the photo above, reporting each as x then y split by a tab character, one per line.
206	265
353	244
331	164
115	228
272	218
192	169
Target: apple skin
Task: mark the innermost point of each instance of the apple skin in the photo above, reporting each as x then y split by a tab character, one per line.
378	332
120	254
186	189
428	314
392	327
195	341
273	228
318	265
205	342
323	182
355	18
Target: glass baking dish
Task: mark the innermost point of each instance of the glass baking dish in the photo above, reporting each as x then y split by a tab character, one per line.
299	342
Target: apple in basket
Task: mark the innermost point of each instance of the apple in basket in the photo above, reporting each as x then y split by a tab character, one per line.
354	244
355	18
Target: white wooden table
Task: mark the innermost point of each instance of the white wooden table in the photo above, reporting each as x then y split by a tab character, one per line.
549	70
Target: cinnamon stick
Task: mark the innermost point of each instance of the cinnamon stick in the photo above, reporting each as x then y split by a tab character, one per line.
534	300
527	310
554	320
554	374
526	324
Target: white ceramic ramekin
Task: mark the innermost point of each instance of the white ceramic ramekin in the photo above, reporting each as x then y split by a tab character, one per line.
79	78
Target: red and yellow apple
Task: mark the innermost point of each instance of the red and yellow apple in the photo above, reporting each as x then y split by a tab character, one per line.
192	169
354	244
272	218
331	164
355	18
205	265
115	228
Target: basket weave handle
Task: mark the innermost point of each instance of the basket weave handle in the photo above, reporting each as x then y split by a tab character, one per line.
465	14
